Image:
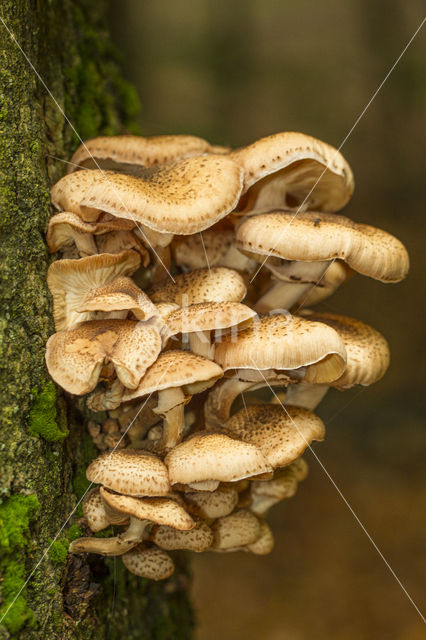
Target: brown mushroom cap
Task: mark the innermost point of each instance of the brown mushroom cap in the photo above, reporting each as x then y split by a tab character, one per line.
112	152
75	358
67	193
282	436
214	456
69	281
283	485
284	169
94	511
133	473
314	236
207	316
265	542
237	530
177	369
367	350
159	510
181	198
149	562
282	342
211	504
198	539
202	285
119	294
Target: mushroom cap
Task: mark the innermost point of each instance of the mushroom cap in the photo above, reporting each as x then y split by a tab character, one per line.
367	350
69	281
217	284
282	436
67	193
94	511
282	342
315	236
177	369
337	273
212	504
148	562
134	473
159	510
214	456
119	294
236	530
75	358
188	252
183	198
207	316
265	542
197	539
109	152
282	169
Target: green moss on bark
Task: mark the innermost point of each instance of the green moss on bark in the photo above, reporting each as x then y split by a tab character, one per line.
42	419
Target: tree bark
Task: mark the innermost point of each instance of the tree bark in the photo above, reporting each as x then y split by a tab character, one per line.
44	446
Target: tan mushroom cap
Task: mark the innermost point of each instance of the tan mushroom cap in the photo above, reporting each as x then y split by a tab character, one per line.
281	435
212	504
151	562
282	169
133	473
214	456
110	152
314	236
367	350
218	284
336	274
75	358
265	543
181	198
69	281
177	369
283	485
237	530
67	193
208	316
283	343
198	539
159	510
119	294
94	511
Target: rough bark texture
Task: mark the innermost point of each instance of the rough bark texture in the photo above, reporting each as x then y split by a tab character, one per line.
41	466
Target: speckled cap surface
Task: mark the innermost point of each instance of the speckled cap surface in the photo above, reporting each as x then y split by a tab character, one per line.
217	284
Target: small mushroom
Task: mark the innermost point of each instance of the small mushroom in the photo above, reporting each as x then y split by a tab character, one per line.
265	542
264	495
95	513
211	504
198	539
237	530
149	562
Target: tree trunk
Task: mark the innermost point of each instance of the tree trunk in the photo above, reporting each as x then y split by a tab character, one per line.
42	468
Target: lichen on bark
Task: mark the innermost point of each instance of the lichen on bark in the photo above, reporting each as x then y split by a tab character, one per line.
65	598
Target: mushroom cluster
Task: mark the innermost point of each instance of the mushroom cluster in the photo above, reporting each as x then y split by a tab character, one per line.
181	313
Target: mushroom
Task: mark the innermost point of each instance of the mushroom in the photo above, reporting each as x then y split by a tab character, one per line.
198	321
265	542
292	170
66	195
264	495
148	562
237	530
217	284
198	539
95	513
278	349
282	436
299	249
176	376
69	281
211	504
367	359
75	358
205	459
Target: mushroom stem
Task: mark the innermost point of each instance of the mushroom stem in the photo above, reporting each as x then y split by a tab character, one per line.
200	344
171	405
306	395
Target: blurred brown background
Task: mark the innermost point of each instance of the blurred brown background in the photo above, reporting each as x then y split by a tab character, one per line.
237	70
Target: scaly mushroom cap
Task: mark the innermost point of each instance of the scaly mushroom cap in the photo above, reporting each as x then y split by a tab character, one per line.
207	316
112	152
314	236
214	456
159	510
211	504
367	350
151	563
282	437
67	193
198	539
202	285
263	495
133	473
177	369
181	198
118	295
75	358
265	543
94	511
281	170
236	530
282	342
69	281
